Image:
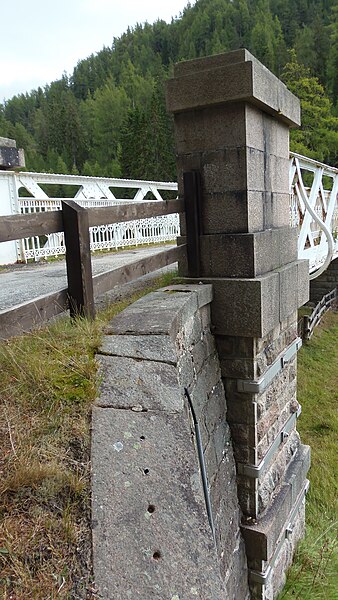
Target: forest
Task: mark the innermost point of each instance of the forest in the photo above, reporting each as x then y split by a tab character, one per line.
108	118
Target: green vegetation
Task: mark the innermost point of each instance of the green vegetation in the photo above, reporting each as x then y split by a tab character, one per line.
47	387
314	573
109	118
318	136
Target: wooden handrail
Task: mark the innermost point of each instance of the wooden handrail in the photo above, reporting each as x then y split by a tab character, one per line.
106	281
75	221
132	212
16	227
26	316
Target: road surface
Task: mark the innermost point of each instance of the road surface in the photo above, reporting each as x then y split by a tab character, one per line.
21	283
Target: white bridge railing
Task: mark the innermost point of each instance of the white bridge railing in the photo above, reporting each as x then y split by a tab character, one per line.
313	209
90	192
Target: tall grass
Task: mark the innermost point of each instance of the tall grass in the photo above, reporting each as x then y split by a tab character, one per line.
314	574
47	387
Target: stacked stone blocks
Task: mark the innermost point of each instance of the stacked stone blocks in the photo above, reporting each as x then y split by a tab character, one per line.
325	283
10	157
232	119
153	351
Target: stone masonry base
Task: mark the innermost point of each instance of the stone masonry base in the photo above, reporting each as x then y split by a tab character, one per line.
151	535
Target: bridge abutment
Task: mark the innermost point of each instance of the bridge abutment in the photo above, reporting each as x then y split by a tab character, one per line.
232	119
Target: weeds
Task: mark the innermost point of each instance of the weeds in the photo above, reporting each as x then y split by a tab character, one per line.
47	387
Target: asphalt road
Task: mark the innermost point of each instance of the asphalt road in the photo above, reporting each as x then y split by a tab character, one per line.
21	283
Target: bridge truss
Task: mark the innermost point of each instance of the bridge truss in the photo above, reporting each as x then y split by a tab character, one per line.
313	210
94	192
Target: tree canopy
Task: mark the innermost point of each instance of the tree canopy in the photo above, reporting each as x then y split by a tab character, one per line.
109	118
318	134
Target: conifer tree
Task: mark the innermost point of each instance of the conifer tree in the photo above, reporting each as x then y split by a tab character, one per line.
318	135
109	114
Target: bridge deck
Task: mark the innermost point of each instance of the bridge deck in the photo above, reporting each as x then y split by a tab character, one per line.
22	283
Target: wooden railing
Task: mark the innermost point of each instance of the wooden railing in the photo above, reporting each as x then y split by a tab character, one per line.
82	288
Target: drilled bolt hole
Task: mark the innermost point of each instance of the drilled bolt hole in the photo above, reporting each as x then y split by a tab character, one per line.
151	508
157	555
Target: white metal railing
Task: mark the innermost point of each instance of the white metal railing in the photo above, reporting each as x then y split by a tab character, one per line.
90	192
314	210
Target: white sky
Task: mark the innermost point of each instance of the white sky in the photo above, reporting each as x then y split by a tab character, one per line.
40	39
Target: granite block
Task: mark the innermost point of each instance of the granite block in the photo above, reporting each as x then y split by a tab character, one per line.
245	307
157	313
192	129
155	347
303	286
148	511
219	80
128	383
288	287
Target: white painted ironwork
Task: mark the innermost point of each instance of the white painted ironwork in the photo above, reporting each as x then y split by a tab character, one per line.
90	192
314	210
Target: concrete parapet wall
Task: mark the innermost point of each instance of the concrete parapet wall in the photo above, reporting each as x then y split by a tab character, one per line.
151	535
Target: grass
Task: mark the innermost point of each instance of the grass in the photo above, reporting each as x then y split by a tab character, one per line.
47	387
313	575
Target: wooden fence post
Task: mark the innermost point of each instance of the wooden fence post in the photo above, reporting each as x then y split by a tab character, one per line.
78	260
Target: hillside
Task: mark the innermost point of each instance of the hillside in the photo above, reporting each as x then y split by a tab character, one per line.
109	118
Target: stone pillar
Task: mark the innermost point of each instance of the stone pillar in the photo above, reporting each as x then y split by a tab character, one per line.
10	158
232	118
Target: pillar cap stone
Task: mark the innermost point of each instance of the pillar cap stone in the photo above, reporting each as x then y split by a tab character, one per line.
231	77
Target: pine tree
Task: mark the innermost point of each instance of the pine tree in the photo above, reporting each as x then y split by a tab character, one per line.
318	135
332	63
83	118
147	144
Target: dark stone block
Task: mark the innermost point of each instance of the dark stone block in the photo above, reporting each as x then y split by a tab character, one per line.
245	307
227	78
261	539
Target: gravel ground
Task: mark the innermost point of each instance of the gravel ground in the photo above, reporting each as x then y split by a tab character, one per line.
21	283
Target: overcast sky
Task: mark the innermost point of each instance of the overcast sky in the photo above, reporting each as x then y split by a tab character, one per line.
40	39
